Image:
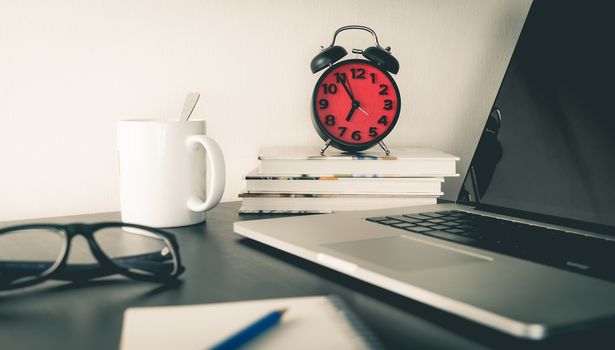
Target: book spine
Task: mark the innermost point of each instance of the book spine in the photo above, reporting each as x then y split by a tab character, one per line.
430	168
312	204
336	185
263	212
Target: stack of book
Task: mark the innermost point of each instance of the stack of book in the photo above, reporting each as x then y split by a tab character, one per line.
300	180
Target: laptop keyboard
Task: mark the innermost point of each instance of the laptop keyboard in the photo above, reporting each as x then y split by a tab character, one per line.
582	254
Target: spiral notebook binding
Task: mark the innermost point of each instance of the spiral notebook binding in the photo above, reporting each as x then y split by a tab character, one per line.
359	328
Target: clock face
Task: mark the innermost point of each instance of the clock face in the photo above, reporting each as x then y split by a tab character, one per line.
355	105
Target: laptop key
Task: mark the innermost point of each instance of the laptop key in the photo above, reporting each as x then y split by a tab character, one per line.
404	225
454	230
446	218
451	223
389	222
377	218
439	227
432	215
437	221
416	217
449	236
404	219
417	229
426	224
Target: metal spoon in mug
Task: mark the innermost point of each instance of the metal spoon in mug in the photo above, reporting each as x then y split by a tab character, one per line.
191	99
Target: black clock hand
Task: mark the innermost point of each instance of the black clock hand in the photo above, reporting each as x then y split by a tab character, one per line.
346	85
355	105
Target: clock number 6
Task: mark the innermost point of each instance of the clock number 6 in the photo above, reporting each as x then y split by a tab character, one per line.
356	135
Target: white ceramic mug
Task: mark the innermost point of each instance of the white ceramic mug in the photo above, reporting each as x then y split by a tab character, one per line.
163	172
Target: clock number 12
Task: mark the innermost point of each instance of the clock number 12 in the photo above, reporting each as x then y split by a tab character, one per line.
357	73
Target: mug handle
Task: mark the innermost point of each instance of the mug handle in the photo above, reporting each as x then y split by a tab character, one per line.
215	162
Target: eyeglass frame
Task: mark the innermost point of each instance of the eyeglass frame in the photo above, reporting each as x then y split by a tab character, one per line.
105	265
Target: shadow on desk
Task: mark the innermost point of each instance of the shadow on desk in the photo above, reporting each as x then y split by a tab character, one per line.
454	324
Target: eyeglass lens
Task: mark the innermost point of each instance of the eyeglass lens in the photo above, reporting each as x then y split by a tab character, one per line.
30	254
137	250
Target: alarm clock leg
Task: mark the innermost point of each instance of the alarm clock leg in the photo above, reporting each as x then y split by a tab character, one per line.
384	147
322	150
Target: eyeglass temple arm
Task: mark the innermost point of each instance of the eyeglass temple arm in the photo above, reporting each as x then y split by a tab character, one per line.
11	270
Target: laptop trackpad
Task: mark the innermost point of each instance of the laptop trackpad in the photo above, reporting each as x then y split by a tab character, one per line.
403	254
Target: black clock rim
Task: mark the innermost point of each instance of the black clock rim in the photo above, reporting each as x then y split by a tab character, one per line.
346	146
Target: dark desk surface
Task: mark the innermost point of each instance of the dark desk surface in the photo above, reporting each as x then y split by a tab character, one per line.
222	266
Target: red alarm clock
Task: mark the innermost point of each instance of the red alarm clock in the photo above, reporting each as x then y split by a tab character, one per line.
356	102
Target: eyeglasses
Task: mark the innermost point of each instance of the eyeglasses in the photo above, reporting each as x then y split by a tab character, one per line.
30	254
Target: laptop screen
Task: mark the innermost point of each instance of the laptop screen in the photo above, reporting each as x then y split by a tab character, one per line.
549	144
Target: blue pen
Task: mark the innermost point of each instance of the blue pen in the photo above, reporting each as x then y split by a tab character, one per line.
250	332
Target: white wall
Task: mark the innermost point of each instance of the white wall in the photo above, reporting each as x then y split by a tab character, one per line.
70	69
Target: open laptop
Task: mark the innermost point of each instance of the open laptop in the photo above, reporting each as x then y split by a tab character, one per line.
529	247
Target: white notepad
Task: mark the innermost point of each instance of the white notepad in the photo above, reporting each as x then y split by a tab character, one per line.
310	323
